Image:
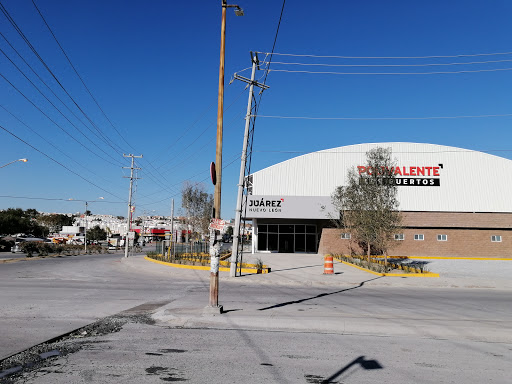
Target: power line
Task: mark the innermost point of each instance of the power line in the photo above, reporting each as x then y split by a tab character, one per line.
34	51
198	182
60	199
387	118
83	83
390	65
54	106
329	152
50	143
53	121
59	163
45	84
391	73
177	154
388	57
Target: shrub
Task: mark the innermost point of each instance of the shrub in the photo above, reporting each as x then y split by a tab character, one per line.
29	247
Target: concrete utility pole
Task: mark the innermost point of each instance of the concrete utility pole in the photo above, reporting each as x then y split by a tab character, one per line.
241	178
128	219
172	224
213	306
85	231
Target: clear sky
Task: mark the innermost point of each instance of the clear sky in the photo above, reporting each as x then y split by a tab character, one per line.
153	66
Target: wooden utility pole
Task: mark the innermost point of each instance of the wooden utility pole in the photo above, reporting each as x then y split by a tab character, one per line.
213	305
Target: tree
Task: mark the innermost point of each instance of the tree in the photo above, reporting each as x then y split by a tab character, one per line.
96	233
55	221
368	204
16	220
198	205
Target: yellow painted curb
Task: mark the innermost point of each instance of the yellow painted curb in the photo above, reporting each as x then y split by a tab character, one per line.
429	274
202	268
444	257
456	258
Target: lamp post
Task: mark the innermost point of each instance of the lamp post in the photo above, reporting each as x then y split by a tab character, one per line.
85	230
14	161
85	217
213	305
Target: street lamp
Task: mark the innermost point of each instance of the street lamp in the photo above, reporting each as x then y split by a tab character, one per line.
85	217
213	305
14	161
85	231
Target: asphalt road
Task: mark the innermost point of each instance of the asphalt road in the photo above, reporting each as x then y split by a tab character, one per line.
270	333
41	299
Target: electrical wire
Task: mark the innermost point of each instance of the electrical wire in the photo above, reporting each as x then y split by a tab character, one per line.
51	144
55	123
81	79
200	135
42	81
59	163
391	73
390	65
45	65
389	57
387	118
195	184
60	199
329	152
58	110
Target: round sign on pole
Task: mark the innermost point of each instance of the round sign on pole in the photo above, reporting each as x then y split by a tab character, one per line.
213	174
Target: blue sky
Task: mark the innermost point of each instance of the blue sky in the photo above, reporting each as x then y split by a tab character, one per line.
153	69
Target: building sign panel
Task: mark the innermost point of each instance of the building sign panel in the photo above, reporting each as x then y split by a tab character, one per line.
290	207
416	175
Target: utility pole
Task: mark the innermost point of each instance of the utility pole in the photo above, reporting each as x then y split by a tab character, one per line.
213	305
85	231
128	218
172	224
241	179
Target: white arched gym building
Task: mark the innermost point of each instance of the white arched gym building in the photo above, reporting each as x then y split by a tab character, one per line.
455	202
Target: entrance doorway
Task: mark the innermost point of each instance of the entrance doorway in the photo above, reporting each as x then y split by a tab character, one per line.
287	238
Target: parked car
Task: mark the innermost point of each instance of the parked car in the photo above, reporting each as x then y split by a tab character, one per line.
19	240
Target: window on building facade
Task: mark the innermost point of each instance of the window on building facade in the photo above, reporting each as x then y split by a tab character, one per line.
442	237
496	238
345	235
399	236
419	237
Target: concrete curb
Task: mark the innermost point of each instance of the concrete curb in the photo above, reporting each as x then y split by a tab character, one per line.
454	258
204	268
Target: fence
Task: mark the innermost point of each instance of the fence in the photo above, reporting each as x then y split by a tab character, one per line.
189	253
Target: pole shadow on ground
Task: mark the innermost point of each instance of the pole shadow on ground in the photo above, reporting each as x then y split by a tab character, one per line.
317	296
365	364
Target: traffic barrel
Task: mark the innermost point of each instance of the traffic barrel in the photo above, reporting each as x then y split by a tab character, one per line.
328	265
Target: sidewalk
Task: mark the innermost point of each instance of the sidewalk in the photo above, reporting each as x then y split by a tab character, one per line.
304	272
307	270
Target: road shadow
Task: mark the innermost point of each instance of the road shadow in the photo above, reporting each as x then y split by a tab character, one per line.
317	296
361	361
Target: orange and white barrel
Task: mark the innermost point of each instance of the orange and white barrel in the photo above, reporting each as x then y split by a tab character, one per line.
328	265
